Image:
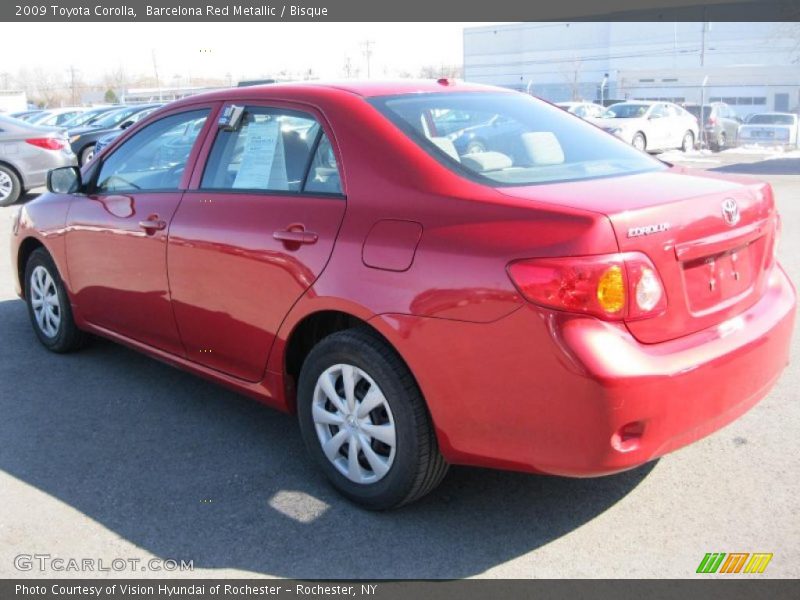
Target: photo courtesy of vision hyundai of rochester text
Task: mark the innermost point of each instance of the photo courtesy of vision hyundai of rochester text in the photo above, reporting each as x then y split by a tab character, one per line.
552	300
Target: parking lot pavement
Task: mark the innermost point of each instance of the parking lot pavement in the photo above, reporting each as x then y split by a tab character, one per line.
107	454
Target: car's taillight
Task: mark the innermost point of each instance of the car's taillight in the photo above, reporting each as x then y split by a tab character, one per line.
47	143
711	121
614	287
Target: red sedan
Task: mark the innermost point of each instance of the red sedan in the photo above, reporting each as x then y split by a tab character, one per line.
553	302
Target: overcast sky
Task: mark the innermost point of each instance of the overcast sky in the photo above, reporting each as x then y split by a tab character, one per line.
241	49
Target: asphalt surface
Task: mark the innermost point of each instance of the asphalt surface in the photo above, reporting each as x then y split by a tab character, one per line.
106	454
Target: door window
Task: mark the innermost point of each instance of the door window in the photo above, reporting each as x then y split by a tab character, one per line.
153	159
268	151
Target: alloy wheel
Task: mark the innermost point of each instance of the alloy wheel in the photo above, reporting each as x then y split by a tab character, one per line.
354	423
45	302
6	186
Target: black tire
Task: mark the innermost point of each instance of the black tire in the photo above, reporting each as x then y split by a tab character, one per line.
722	141
418	467
67	337
15	189
687	142
87	154
642	145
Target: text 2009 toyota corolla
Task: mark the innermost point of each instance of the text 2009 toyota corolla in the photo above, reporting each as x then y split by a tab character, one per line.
556	302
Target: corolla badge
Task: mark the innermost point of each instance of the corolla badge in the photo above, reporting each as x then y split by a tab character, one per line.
730	211
647	229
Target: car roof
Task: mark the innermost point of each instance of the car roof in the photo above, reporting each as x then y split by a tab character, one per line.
318	89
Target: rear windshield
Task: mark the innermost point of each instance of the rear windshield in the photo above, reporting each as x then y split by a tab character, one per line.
695	110
771	120
511	138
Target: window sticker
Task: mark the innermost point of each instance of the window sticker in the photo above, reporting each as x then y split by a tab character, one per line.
263	162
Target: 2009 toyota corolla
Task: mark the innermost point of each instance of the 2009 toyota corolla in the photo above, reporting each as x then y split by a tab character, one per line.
557	302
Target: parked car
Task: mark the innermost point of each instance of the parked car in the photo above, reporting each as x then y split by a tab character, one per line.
56	117
650	126
771	129
27	153
84	138
721	123
24	115
115	133
584	110
492	132
577	311
89	116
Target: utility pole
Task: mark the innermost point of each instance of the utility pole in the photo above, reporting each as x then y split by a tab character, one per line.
703	44
155	71
367	44
72	72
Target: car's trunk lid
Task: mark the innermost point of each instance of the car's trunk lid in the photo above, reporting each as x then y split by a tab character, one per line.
710	238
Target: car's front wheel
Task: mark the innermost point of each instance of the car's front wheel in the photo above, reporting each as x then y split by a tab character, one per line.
48	305
364	421
639	142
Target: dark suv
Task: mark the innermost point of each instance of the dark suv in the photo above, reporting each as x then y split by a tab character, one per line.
721	126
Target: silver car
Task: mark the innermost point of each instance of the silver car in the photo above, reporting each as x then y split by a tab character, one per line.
27	153
771	129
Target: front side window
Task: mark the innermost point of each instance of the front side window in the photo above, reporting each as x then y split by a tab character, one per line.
155	157
269	151
512	138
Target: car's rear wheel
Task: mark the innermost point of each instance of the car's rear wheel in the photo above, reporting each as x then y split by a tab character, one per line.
364	421
87	154
639	142
10	186
687	143
48	305
721	142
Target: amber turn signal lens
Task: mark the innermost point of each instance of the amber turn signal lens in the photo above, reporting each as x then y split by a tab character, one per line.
611	290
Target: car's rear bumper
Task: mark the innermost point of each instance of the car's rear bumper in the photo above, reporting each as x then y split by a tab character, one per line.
581	397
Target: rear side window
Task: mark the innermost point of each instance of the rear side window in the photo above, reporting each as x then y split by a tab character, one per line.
513	139
272	150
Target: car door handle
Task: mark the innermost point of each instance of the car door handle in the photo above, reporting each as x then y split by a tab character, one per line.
297	235
153	223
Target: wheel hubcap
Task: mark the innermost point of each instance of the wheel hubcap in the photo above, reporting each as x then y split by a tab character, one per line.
5	185
44	300
354	423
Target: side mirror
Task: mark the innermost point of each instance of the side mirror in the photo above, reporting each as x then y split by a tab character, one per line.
64	180
126	124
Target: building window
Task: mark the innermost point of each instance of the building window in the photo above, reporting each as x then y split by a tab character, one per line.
647	81
670	80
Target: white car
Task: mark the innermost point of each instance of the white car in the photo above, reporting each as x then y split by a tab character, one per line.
771	129
585	110
651	126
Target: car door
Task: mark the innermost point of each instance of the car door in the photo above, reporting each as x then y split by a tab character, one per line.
655	123
116	242
253	233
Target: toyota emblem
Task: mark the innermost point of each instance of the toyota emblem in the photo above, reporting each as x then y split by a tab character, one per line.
730	211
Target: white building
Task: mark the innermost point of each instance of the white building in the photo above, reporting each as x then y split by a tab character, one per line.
13	101
751	66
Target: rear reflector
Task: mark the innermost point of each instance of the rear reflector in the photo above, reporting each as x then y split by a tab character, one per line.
47	143
613	287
